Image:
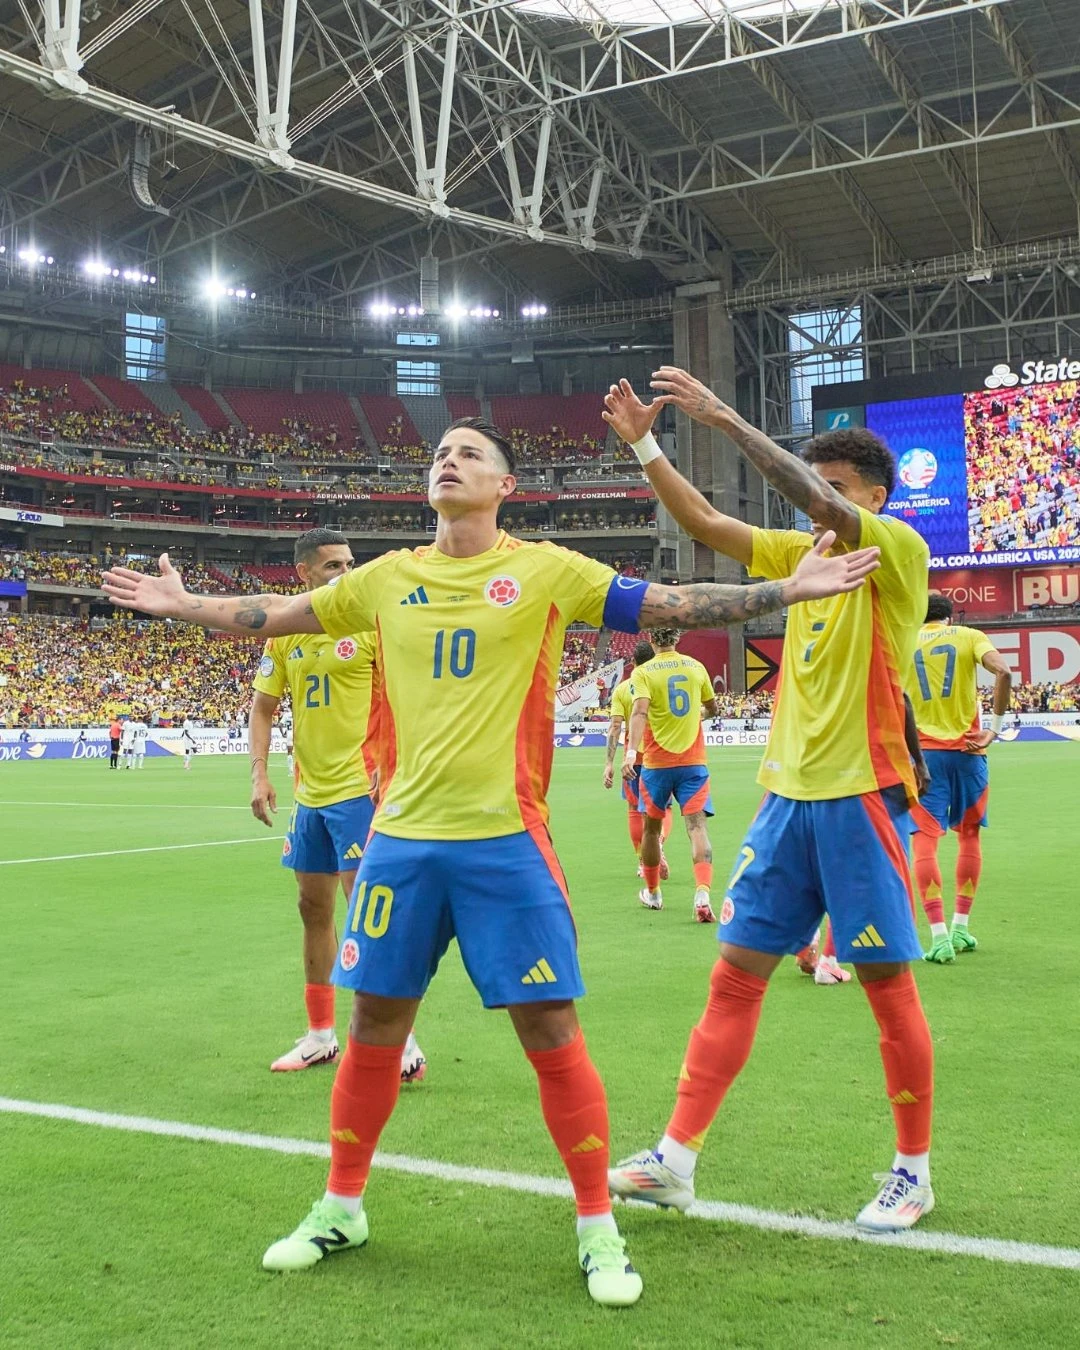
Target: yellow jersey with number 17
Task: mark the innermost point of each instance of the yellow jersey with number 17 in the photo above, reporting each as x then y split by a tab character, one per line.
329	682
838	717
468	653
941	683
676	687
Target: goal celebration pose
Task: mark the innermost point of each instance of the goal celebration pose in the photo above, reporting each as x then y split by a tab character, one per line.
831	833
470	635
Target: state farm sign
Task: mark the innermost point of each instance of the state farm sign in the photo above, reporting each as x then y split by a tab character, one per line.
1049	586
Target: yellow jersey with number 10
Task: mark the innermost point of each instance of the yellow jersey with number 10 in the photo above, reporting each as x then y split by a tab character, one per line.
838	718
329	682
941	683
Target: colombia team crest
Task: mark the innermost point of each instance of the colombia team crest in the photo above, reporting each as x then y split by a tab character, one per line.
350	954
345	649
502	591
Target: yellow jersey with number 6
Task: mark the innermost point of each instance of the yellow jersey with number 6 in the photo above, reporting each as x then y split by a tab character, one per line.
329	682
676	687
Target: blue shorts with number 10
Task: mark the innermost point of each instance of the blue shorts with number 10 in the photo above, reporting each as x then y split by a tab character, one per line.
846	856
503	899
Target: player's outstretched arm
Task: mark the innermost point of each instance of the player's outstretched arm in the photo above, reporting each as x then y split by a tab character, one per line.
713	605
633	420
164	597
786	472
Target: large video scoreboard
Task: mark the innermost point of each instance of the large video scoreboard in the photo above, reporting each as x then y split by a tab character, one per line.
988	462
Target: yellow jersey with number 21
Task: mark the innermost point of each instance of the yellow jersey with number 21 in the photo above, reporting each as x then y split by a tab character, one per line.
329	682
838	718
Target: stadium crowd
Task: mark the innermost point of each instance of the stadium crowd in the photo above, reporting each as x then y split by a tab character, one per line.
82	571
1023	467
57	672
1038	698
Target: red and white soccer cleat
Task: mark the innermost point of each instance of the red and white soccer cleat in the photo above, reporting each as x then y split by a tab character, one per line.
308	1052
830	971
807	959
703	910
900	1203
413	1062
651	899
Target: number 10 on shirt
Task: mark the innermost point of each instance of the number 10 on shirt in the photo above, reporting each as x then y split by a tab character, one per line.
454	652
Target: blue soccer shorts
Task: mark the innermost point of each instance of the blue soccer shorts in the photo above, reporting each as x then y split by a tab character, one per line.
631	790
503	899
688	784
327	838
846	856
959	788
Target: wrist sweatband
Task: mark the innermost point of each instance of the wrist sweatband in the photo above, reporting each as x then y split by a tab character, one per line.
646	449
995	723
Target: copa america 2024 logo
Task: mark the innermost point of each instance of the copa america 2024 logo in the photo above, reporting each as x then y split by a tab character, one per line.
917	468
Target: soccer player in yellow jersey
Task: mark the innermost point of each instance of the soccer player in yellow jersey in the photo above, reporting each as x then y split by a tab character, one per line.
621	708
330	689
941	683
469	636
831	834
669	695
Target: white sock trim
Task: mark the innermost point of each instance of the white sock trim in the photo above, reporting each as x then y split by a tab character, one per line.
915	1164
352	1204
607	1220
678	1157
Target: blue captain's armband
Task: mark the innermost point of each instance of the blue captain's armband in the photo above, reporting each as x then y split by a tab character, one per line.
622	607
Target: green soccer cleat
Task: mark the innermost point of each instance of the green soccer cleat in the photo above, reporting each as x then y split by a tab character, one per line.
612	1280
328	1228
962	941
941	953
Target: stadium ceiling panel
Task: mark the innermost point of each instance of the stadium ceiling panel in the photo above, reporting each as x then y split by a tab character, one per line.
322	149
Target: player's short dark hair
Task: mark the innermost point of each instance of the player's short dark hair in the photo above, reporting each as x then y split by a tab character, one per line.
493	434
643	652
938	606
665	637
867	454
311	541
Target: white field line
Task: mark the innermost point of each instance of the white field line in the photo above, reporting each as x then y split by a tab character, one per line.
952	1244
156	848
127	806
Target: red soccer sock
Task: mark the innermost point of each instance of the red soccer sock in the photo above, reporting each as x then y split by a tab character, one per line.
907	1054
928	876
319	1001
968	871
719	1047
365	1092
652	876
703	874
575	1112
828	947
636	821
665	828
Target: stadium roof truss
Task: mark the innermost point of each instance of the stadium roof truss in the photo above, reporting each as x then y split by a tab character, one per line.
327	147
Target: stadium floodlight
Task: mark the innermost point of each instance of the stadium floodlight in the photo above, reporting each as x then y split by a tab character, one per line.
456	312
94	267
32	257
533	311
212	289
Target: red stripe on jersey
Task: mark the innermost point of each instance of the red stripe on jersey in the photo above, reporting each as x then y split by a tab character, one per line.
890	841
386	746
960	743
370	747
885	712
535	746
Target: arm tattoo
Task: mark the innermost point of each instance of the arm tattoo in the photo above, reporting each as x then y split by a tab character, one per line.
709	605
251	613
792	478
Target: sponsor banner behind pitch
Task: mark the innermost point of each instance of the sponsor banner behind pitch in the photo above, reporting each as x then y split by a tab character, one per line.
1040	655
17	746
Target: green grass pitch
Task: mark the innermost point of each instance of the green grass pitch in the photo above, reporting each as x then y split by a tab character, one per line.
162	983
